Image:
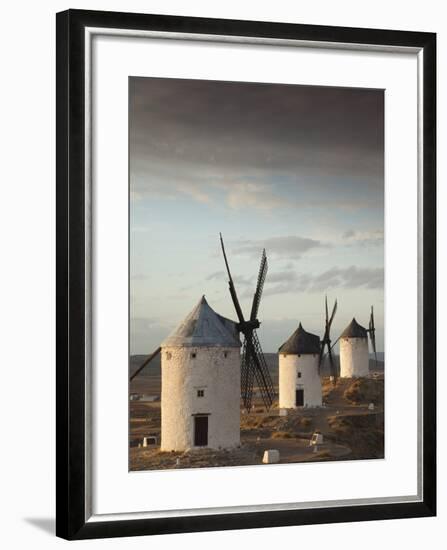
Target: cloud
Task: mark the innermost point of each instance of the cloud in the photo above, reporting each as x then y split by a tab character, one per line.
256	146
208	186
238	279
195	191
216	275
286	276
291	247
352	277
246	188
165	185
363	238
254	195
301	128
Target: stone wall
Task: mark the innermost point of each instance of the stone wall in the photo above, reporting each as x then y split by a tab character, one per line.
354	357
310	381
185	371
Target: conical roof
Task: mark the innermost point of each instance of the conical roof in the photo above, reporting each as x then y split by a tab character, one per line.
204	327
354	330
301	343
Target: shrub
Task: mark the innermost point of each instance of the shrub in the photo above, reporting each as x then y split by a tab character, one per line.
281	435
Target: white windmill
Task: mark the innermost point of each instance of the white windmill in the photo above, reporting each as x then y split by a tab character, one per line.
200	396
200	382
299	371
354	353
204	375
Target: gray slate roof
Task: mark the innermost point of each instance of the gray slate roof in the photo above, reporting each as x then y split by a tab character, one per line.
301	343
354	330
204	327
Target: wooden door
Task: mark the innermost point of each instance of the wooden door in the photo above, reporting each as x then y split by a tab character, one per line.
299	398
200	431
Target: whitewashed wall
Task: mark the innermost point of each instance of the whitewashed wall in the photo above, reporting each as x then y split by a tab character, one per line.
310	381
181	377
354	357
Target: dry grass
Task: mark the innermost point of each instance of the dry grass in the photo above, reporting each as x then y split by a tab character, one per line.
323	455
362	432
365	390
153	459
251	422
327	387
305	421
281	435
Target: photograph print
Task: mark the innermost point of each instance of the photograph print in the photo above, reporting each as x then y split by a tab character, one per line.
256	274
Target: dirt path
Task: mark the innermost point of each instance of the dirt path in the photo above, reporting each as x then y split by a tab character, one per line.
296	449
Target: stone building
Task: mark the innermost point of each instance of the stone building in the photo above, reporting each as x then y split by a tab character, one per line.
200	374
354	355
299	377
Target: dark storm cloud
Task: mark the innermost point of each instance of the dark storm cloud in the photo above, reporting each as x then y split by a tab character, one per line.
195	133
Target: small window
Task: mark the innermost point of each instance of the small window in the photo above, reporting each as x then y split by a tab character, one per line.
284	354
225	354
299	375
193	355
200	393
168	355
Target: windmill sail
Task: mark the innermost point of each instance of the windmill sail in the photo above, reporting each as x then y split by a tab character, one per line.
145	363
326	341
232	288
262	373
259	286
253	364
247	376
372	335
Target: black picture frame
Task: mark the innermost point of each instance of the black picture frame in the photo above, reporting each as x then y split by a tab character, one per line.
71	517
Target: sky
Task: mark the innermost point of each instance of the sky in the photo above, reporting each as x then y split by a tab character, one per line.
298	170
